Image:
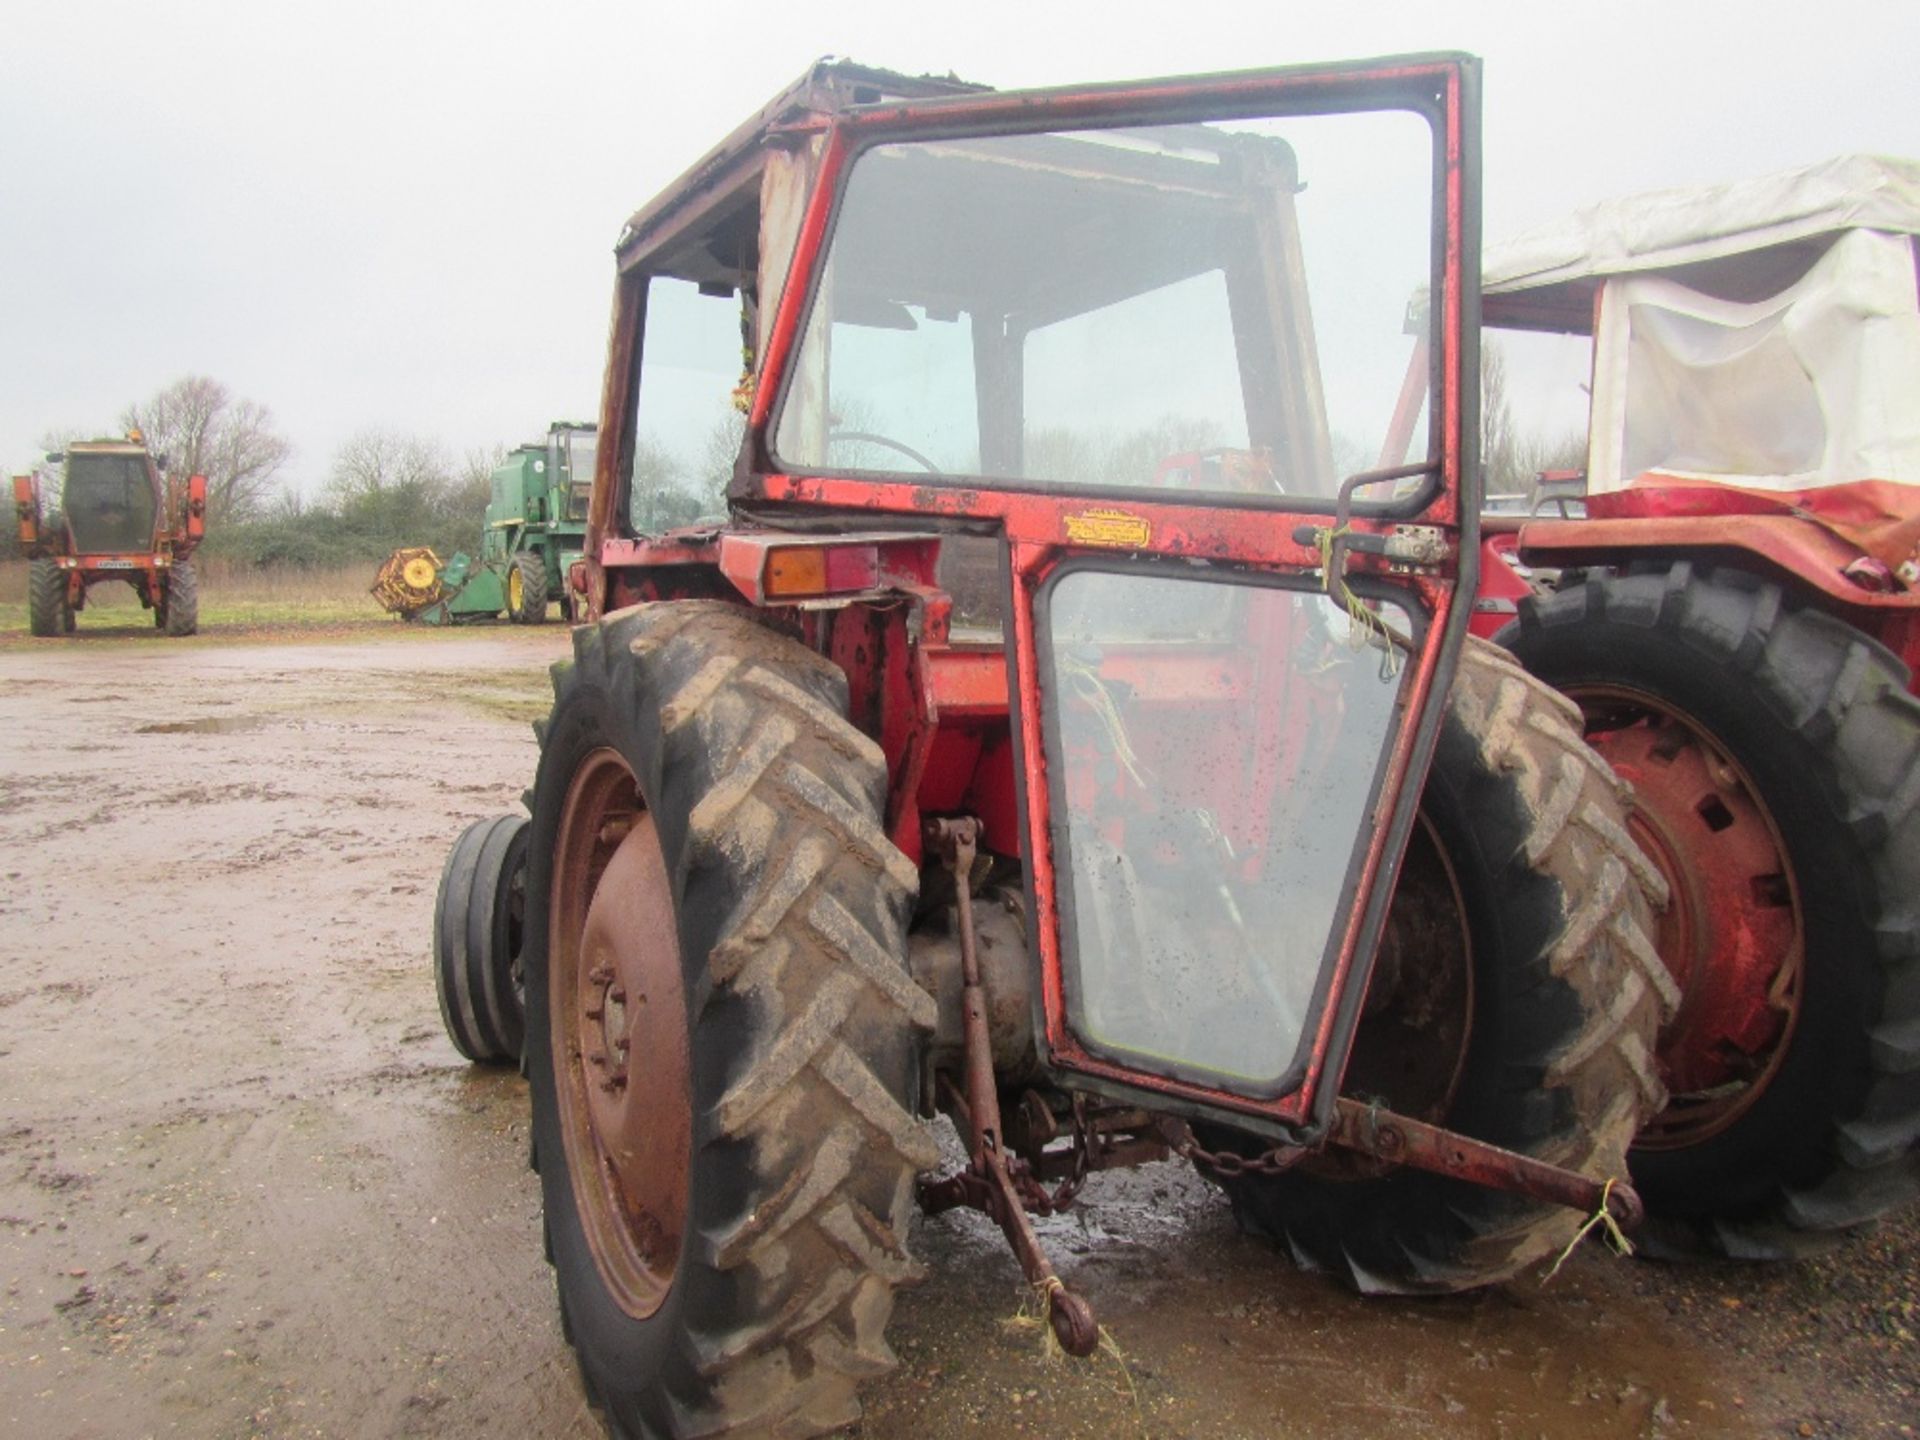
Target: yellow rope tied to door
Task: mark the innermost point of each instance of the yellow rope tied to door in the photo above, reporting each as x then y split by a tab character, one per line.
1365	622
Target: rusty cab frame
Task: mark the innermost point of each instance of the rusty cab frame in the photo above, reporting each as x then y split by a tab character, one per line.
862	557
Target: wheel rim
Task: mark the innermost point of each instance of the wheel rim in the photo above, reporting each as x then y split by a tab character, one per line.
619	1034
1733	933
1416	1027
516	588
1417	1023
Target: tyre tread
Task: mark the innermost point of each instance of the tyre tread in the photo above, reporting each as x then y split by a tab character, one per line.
1844	695
780	796
1571	852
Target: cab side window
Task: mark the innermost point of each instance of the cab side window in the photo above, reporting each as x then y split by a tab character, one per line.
687	424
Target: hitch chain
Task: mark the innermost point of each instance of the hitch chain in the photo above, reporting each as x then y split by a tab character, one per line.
1229	1164
1035	1196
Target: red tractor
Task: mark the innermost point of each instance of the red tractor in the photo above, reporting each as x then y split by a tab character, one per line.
1739	620
115	516
1061	734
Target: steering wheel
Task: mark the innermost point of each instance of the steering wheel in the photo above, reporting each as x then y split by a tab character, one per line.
868	437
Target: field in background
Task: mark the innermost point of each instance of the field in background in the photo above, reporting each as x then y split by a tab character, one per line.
230	595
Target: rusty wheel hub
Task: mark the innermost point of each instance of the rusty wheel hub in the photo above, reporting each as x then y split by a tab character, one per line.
1732	935
1417	1024
618	1011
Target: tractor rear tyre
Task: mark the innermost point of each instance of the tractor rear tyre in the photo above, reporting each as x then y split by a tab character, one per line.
527	589
183	599
722	1034
48	612
1776	756
1515	998
479	925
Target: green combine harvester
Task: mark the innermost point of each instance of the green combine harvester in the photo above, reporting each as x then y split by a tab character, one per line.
536	522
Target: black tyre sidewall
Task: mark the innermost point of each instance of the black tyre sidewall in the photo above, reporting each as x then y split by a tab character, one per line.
533	593
489	921
182	600
1786	1134
1522	1016
47	611
615	1349
460	956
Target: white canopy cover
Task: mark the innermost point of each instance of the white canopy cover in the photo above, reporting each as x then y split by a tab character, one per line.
1764	333
1664	229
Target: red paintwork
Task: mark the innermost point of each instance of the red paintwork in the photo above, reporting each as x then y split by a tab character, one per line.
940	711
26	510
1730	934
196	510
1496	601
1878	517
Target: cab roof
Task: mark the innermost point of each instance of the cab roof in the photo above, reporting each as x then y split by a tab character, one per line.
1741	240
826	88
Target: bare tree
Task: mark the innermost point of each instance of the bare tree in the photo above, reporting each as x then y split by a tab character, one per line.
204	429
718	454
470	489
285	505
378	462
655	499
53	441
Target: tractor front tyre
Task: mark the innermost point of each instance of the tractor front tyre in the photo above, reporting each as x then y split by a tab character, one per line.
479	926
527	589
1515	998
182	599
722	1035
1775	753
48	612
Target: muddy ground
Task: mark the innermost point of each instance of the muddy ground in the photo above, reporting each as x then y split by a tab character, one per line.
247	1187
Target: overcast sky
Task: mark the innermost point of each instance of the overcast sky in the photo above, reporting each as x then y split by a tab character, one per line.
402	214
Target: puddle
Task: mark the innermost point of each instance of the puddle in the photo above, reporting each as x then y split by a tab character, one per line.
207	725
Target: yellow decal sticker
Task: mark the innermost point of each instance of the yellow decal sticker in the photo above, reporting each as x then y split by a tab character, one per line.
1108	527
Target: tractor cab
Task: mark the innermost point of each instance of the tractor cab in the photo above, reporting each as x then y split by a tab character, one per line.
1103	373
571	461
1041	736
112	497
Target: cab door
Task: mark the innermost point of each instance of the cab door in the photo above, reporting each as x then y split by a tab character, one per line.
1152	336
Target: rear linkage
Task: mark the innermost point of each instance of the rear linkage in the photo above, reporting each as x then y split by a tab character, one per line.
1008	1186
